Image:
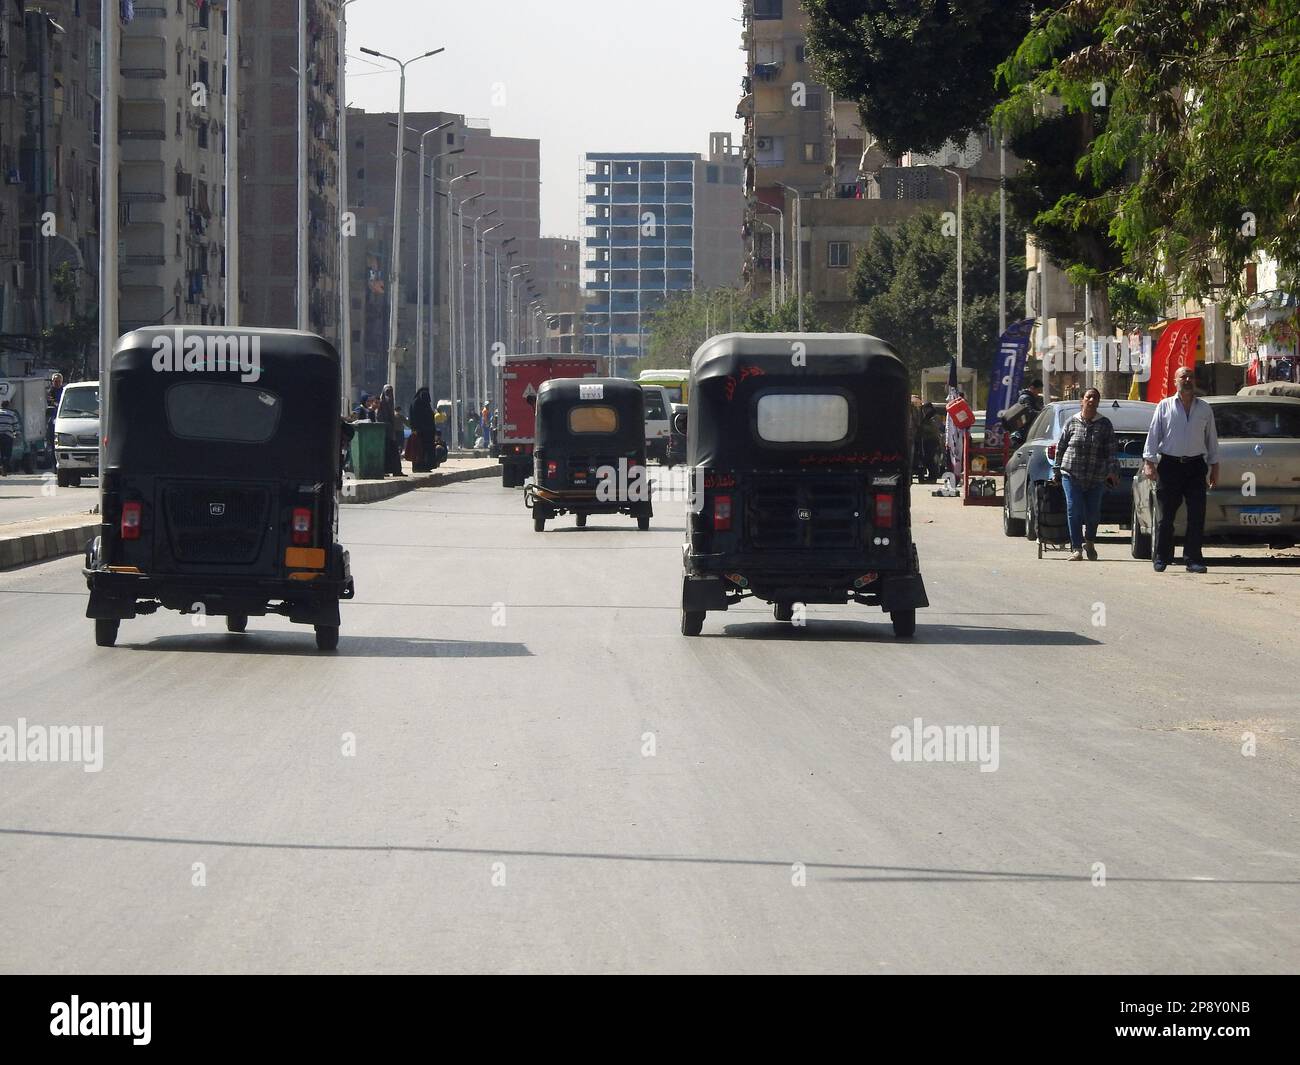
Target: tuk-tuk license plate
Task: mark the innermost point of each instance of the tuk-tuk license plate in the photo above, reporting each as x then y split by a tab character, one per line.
1261	515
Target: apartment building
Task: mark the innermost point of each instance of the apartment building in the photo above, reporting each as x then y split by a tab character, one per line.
506	172
49	176
172	166
656	224
559	279
269	168
789	139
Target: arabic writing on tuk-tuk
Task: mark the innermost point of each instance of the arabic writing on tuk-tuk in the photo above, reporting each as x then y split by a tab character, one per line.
745	372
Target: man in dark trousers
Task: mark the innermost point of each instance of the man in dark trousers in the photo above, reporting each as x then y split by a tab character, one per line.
1182	453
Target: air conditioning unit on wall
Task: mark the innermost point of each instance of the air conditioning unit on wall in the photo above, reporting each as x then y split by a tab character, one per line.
764	144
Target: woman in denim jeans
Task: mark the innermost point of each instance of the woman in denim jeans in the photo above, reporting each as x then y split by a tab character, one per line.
1086	456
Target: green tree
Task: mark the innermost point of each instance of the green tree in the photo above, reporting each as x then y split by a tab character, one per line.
1199	160
66	343
906	286
921	71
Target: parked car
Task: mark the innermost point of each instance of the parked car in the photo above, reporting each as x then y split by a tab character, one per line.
658	416
1031	462
1258	497
76	433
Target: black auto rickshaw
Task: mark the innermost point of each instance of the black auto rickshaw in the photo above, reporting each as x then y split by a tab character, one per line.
801	450
222	464
590	452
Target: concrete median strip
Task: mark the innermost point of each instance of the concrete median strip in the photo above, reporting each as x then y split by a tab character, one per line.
24	543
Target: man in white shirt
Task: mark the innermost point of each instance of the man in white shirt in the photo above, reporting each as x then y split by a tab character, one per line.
1182	448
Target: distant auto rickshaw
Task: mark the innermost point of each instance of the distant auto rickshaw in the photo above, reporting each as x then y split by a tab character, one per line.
801	449
222	466
590	451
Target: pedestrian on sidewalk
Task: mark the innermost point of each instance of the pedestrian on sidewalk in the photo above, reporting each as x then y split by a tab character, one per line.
10	427
422	425
1087	460
1182	455
391	419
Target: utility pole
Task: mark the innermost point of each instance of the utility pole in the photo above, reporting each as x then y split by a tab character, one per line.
345	270
232	163
1002	235
110	81
960	265
304	270
798	249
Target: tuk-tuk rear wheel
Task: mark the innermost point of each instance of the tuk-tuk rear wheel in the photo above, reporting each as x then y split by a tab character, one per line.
582	521
539	521
904	622
327	637
106	631
237	623
783	611
643	522
692	622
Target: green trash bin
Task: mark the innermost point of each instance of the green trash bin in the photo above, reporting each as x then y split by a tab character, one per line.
368	451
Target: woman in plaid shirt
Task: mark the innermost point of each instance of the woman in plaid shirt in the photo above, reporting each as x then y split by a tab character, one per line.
1087	457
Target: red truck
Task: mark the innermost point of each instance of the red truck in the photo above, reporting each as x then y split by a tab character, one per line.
521	377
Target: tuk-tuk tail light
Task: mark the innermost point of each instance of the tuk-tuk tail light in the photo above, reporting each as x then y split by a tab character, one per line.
884	511
722	513
132	519
552	468
301	527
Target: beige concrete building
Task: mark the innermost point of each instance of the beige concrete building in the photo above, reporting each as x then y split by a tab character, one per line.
172	133
49	176
268	165
559	280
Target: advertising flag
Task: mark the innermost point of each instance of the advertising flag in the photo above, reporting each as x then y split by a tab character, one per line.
1180	345
1006	377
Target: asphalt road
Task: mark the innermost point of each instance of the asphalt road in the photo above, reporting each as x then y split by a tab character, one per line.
547	776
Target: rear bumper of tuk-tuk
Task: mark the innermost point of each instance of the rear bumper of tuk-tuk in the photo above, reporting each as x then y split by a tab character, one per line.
580	501
714	582
305	597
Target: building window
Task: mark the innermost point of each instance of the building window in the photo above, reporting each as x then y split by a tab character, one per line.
813	102
801	53
812	152
713	175
765	9
837	254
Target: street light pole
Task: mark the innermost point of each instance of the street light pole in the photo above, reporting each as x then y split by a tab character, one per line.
472	368
771	262
781	215
110	80
304	271
453	311
430	296
345	269
798	248
232	163
960	265
480	356
419	270
395	268
461	378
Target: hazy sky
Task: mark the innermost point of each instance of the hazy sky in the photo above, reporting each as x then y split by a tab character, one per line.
579	75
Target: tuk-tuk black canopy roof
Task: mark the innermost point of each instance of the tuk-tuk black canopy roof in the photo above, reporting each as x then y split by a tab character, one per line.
730	372
301	369
560	395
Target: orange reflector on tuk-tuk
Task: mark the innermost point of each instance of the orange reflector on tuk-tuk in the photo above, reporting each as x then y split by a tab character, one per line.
304	557
305	576
125	569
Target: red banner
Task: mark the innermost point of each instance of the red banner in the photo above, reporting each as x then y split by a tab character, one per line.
1180	345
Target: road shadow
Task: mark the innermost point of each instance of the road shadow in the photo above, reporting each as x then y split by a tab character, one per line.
630	527
905	874
292	644
862	631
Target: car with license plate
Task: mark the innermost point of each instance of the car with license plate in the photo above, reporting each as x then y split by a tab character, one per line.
802	477
658	421
1031	462
1258	493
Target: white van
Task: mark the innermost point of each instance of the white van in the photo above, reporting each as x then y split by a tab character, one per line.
658	415
76	433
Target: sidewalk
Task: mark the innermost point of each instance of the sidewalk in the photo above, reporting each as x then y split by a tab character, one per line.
59	535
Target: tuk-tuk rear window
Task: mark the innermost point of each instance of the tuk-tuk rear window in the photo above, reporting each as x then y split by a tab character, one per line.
803	418
210	410
592	419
